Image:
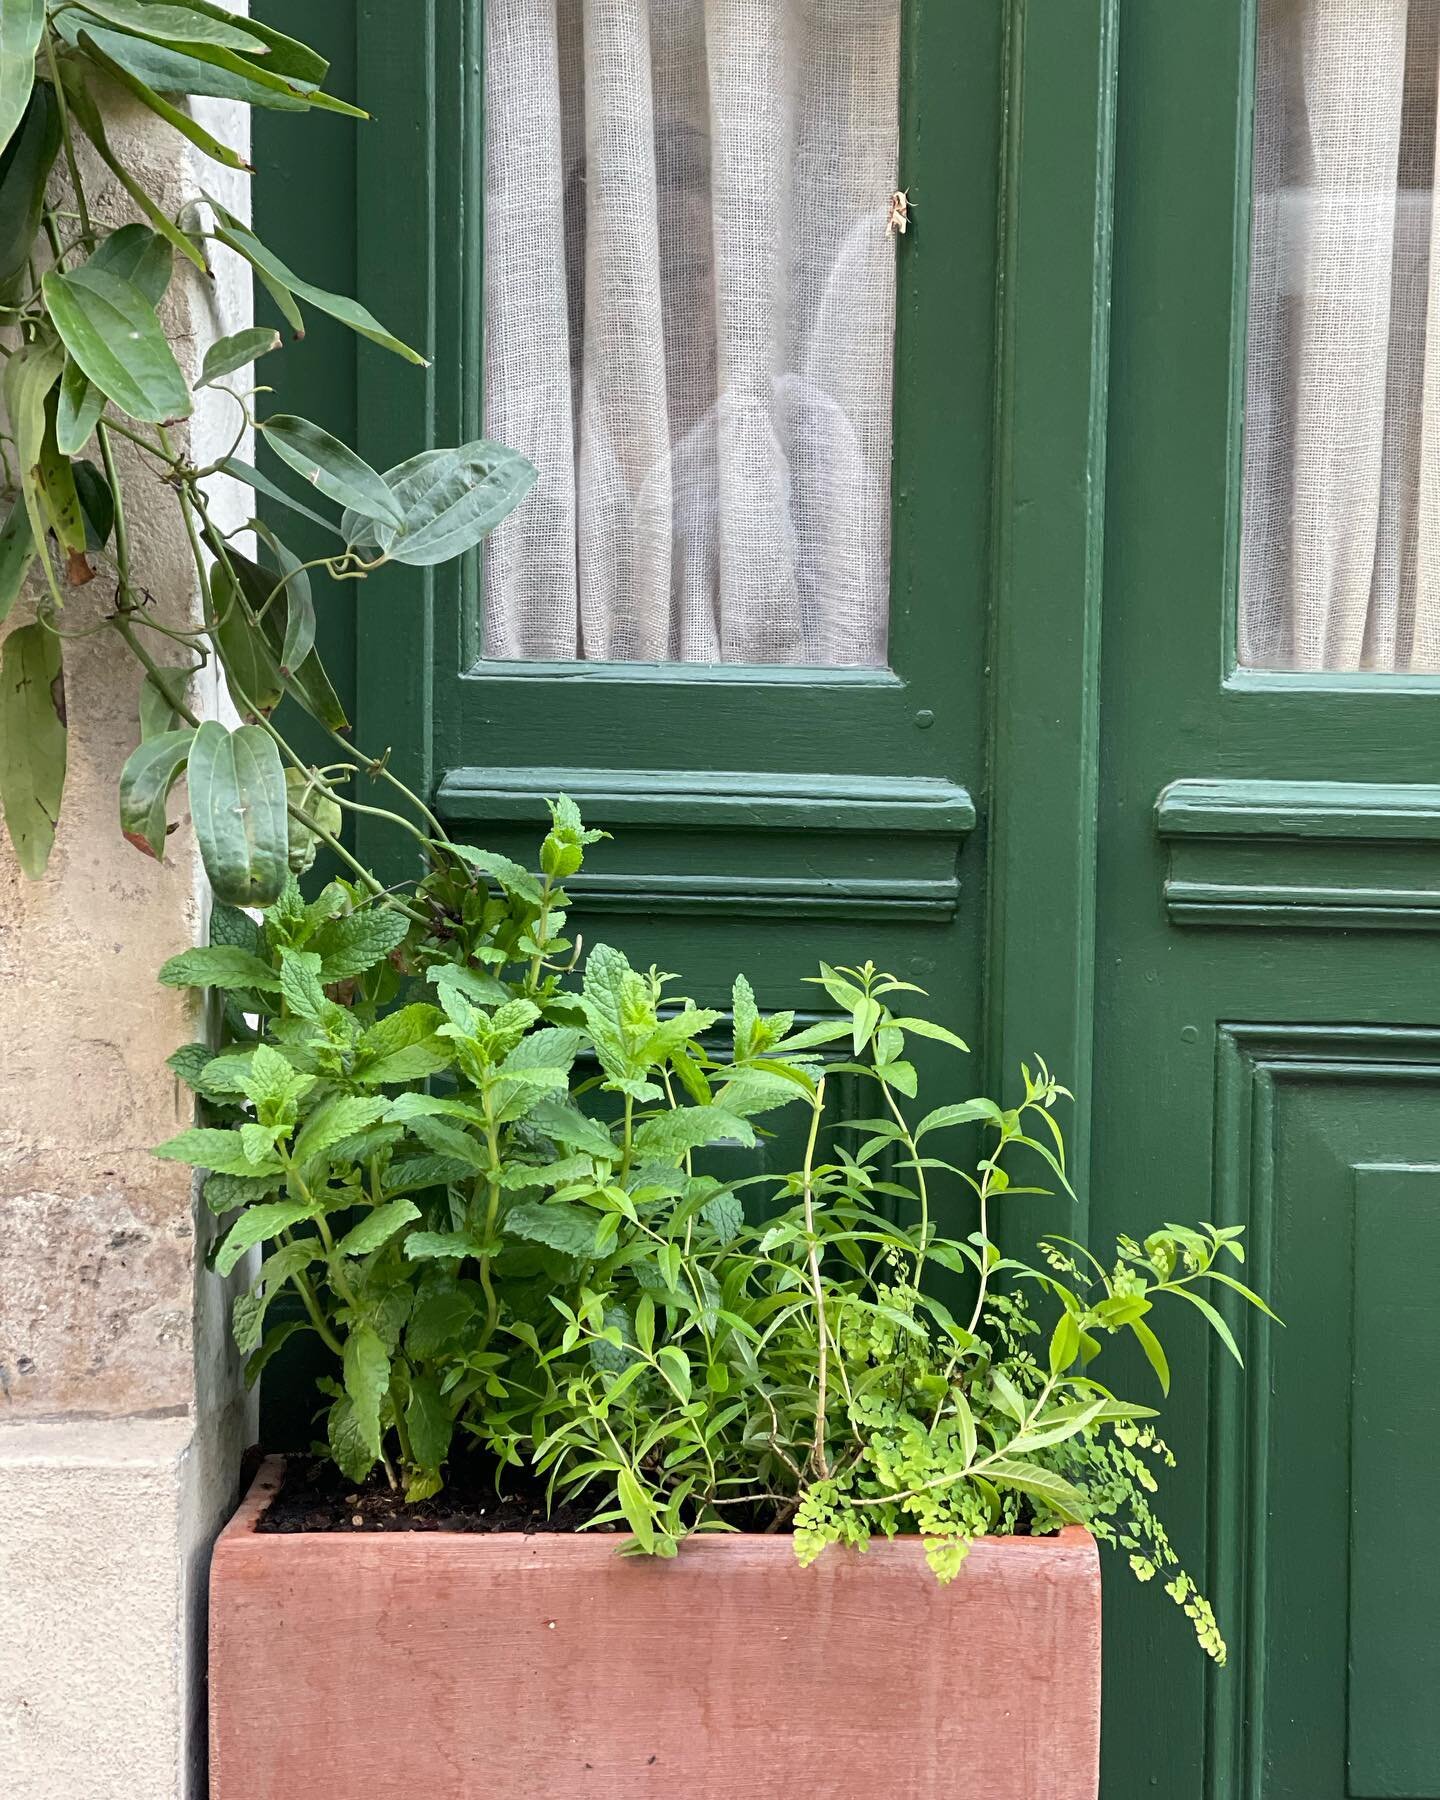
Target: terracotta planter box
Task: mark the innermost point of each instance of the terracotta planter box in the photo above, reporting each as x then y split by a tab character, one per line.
424	1666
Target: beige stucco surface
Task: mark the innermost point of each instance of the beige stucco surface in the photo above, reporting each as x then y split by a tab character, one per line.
121	1412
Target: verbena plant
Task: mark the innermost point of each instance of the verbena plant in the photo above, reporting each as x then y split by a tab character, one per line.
489	1175
89	367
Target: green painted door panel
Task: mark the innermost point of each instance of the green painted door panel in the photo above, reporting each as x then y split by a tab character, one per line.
1324	1458
1266	1043
1393	1746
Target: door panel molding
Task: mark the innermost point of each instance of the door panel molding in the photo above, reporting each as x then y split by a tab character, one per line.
1297	854
774	800
850	847
1310	1122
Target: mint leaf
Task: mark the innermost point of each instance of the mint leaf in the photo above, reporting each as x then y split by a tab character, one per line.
353	944
255	1226
219	966
367	1381
377	1228
570	1229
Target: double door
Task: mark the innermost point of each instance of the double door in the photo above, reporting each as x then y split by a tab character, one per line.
1135	791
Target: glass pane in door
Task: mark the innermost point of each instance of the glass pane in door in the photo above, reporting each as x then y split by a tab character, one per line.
1341	544
689	309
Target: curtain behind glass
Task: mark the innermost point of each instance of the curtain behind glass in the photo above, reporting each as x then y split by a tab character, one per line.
690	304
1342	482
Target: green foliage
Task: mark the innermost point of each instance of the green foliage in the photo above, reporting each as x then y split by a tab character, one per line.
491	1174
483	1170
33	739
94	360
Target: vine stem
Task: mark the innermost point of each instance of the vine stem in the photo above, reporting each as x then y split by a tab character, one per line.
492	1222
317	1318
981	1294
924	1190
122	527
537	961
817	1286
67	137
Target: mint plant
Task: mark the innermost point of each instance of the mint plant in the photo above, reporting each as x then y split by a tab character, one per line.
487	1167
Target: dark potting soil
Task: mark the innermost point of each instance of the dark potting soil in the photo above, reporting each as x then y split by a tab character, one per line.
316	1497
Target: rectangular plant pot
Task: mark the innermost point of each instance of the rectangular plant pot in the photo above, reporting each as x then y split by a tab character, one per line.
433	1666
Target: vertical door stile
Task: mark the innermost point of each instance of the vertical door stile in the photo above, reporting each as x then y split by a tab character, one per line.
1057	211
400	236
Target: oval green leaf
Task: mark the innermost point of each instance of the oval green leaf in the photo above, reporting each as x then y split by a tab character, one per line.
451	499
238	805
238	351
161	697
367	1381
97	504
294	598
308	684
162	108
200	69
21	22
17	553
81	404
173	24
58	495
245	650
139	255
32	742
145	784
29	376
285	56
24	169
111	331
332	468
276	275
252	477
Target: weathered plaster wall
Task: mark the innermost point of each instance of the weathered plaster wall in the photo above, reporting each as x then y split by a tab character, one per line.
121	1410
96	1238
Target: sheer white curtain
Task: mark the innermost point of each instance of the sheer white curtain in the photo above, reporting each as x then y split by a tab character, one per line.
689	300
1341	544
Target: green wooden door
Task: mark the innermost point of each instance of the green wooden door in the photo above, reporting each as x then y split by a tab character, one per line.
1266	1037
763	818
1202	893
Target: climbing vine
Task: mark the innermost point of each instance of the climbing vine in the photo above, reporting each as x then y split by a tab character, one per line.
90	367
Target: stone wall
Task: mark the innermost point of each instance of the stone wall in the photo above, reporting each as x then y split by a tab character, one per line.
121	1409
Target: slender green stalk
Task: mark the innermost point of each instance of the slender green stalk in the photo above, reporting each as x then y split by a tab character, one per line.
924	1191
542	936
122	528
317	1318
67	137
817	1286
491	1227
